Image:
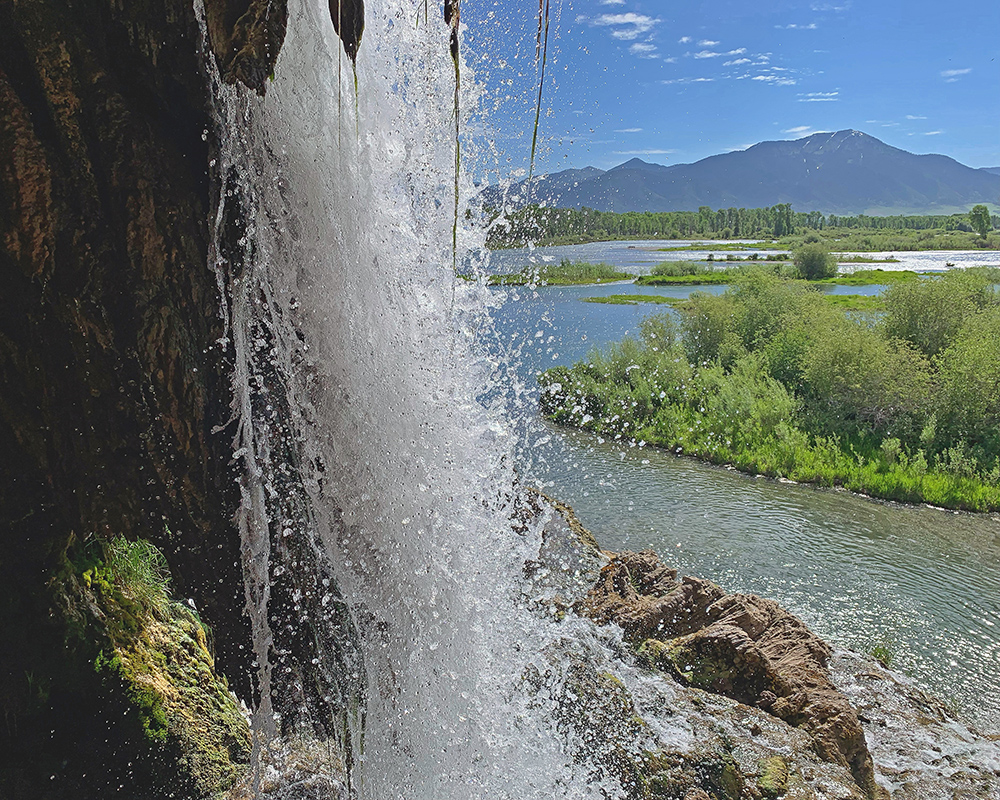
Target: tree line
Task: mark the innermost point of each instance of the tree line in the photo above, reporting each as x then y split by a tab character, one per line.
535	223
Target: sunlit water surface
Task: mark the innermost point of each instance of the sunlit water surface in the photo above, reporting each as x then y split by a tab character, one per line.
640	256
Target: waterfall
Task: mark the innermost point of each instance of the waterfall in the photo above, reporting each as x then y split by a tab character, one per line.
384	577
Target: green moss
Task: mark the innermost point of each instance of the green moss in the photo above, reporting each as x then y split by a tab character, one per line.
773	779
156	656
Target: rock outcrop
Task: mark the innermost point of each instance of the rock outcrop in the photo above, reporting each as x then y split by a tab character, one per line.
113	375
742	646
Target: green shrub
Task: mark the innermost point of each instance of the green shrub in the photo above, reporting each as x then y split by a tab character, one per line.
814	262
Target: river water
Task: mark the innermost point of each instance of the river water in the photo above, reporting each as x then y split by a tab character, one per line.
640	256
920	583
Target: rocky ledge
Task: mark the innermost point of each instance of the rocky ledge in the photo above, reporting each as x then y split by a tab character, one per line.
730	696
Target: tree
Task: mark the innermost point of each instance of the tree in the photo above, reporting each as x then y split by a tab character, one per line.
814	262
980	219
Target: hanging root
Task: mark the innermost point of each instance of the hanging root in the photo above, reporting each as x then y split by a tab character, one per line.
544	40
348	18
451	18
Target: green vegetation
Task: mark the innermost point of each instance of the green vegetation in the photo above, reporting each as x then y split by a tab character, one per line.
856	259
565	273
814	262
155	655
854	302
980	220
873	277
773	379
855	233
699	273
636	299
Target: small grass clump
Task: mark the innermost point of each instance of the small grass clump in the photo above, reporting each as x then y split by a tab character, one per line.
636	299
565	273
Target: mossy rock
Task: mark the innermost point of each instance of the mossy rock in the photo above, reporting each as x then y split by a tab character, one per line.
773	779
168	674
667	775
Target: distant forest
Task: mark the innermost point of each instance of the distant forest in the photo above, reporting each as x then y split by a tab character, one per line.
571	225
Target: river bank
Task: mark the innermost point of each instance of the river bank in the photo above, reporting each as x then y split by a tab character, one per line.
866	574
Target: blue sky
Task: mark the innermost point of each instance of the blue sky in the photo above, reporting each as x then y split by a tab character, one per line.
673	82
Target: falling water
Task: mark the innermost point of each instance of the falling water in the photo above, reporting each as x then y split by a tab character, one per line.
383	572
400	641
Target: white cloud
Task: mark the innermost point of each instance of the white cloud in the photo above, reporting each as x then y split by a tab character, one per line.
952	75
933	133
794	27
627	26
687	80
712	54
911	116
819	97
775	80
643	50
706	43
737	62
643	152
684	40
830	7
612	2
802	130
629	130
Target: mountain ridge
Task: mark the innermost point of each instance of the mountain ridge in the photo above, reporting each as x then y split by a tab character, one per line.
847	172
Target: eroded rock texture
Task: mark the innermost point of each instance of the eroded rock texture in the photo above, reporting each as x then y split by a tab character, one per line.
742	646
115	400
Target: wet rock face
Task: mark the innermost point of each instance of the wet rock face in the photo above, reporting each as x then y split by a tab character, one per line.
115	380
742	646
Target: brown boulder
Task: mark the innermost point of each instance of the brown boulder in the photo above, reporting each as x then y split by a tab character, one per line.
742	646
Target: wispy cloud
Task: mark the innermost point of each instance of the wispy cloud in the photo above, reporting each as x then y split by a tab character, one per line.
627	26
795	27
712	54
612	2
802	130
687	80
643	50
819	97
827	7
952	75
933	133
775	80
737	62
685	40
707	43
629	130
914	116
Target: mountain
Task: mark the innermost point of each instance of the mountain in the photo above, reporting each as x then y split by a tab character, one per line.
848	172
991	170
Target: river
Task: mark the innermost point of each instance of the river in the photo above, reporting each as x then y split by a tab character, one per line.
920	583
640	256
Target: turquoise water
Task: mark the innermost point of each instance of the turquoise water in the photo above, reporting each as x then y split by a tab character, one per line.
922	583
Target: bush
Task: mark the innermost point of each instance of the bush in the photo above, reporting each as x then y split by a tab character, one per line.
814	262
